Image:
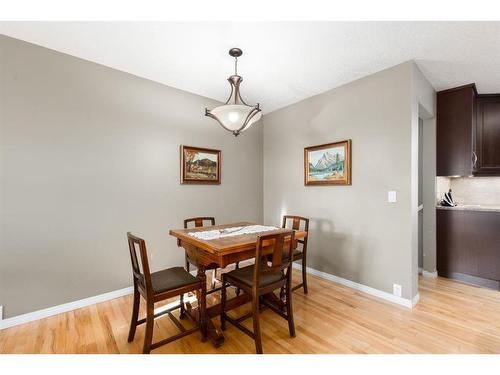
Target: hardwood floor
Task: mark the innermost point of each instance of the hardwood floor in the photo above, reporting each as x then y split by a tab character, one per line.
450	318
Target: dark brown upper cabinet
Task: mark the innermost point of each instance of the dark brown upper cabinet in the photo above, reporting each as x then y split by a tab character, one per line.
454	127
487	136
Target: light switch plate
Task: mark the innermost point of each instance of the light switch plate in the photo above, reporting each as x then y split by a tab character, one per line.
391	196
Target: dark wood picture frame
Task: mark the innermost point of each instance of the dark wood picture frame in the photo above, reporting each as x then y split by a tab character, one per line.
347	164
186	179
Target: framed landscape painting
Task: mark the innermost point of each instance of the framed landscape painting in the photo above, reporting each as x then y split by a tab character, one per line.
328	164
200	165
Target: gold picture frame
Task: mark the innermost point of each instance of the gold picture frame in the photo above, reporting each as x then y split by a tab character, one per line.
328	164
200	165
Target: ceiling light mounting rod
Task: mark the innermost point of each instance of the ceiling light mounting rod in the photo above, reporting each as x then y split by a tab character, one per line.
235	115
235	52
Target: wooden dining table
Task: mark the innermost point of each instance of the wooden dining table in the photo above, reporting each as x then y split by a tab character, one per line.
219	253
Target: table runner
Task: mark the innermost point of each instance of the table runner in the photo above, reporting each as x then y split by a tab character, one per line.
229	232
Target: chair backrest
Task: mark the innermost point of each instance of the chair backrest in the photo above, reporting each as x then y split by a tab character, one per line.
140	271
298	223
282	251
199	221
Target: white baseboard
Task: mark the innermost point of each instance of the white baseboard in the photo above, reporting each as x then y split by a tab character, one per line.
363	288
45	313
415	300
431	275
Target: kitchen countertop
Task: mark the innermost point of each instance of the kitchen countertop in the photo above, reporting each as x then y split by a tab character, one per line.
471	207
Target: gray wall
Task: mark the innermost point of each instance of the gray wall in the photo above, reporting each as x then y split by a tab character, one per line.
89	153
355	233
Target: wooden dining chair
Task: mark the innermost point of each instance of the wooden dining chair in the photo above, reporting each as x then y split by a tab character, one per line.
299	223
200	222
155	287
260	280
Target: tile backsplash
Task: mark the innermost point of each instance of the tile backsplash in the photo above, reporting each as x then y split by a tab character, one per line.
470	190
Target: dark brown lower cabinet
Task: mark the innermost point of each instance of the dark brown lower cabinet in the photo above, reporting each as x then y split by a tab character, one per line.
468	246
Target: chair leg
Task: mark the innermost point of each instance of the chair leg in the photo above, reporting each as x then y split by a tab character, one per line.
182	314
256	325
289	308
214	278
187	262
148	336
223	304
202	301
135	315
304	275
238	289
282	293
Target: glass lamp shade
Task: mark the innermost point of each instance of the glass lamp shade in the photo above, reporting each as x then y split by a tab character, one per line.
235	117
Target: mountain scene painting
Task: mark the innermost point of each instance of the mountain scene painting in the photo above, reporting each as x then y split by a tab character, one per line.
328	164
200	165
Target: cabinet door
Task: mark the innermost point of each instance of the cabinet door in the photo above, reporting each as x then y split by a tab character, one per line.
454	239
468	243
455	121
484	229
487	136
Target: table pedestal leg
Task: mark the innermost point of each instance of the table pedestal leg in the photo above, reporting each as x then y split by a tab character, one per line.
212	332
202	302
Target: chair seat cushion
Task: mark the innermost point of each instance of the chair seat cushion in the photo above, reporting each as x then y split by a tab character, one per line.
245	275
171	278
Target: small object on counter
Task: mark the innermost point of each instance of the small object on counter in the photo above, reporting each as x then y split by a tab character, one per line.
448	200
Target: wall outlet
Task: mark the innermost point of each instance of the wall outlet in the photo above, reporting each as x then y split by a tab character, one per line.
1	312
396	290
392	196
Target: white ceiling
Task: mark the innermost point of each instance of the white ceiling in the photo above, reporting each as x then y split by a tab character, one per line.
282	63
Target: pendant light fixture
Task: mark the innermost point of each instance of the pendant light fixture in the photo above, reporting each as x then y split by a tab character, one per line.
235	115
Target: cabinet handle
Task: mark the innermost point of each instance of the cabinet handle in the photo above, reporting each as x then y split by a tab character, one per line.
474	159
